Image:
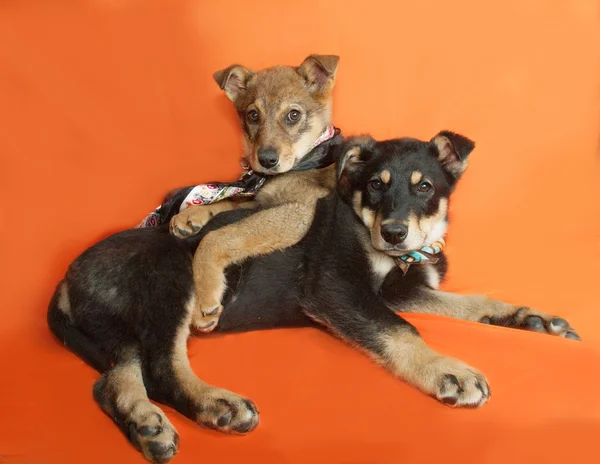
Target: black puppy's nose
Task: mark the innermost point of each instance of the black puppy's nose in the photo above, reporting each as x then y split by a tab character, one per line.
267	157
394	233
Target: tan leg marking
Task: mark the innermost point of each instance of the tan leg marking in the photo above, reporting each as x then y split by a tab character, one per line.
150	431
216	407
449	380
266	231
64	303
479	308
193	218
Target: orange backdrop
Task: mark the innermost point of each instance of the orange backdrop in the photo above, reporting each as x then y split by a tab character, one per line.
107	104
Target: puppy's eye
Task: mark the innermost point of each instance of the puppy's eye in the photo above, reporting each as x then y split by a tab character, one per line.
293	116
252	116
376	184
425	187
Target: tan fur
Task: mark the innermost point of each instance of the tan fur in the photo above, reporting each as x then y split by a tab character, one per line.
407	356
273	93
272	229
211	402
193	218
125	388
386	177
381	265
416	177
351	156
63	300
475	308
377	240
357	202
432	276
370	219
426	230
289	203
448	155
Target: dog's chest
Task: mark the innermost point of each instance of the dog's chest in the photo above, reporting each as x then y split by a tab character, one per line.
381	265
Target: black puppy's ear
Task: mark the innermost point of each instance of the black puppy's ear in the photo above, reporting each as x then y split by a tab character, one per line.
319	72
233	80
453	151
353	154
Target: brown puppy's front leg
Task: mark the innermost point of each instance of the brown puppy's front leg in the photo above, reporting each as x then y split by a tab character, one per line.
266	231
193	218
397	345
479	308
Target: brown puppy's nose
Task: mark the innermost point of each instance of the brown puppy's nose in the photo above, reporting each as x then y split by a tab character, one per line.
394	233
267	157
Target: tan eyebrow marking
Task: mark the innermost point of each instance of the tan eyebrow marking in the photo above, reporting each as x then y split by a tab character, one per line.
416	177
386	176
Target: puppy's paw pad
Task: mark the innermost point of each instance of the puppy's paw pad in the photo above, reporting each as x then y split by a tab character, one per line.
179	228
544	323
460	386
207	320
190	221
155	437
227	412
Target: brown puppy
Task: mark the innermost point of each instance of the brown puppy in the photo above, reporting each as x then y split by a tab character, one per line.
283	110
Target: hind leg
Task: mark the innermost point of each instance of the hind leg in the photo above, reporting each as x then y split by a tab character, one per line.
173	382
121	394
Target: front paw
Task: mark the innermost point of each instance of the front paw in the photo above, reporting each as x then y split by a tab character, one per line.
529	319
456	384
190	221
206	320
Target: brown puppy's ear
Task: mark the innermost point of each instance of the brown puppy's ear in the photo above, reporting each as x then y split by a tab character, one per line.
353	154
233	80
453	151
319	72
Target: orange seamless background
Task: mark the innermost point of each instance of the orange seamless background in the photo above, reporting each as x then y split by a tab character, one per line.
105	105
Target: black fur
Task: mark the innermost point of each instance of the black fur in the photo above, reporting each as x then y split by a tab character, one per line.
128	293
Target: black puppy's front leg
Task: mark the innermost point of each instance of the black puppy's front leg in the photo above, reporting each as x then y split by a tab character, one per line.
414	297
367	323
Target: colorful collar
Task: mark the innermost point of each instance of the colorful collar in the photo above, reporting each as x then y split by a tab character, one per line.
426	255
320	156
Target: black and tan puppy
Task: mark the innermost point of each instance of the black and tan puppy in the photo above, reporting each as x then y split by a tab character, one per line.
126	304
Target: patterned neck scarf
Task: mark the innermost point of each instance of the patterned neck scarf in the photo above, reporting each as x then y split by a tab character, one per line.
426	255
321	155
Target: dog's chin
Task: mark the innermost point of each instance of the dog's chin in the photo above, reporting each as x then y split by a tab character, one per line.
395	251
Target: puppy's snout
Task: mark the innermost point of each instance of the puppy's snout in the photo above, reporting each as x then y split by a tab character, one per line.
268	158
394	233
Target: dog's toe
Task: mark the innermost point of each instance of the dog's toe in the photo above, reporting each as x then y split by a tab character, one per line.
459	385
155	437
228	412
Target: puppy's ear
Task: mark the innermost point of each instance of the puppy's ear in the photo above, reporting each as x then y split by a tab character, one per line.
453	151
233	80
319	72
352	156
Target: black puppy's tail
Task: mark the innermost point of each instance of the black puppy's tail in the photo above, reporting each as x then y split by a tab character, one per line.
63	328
